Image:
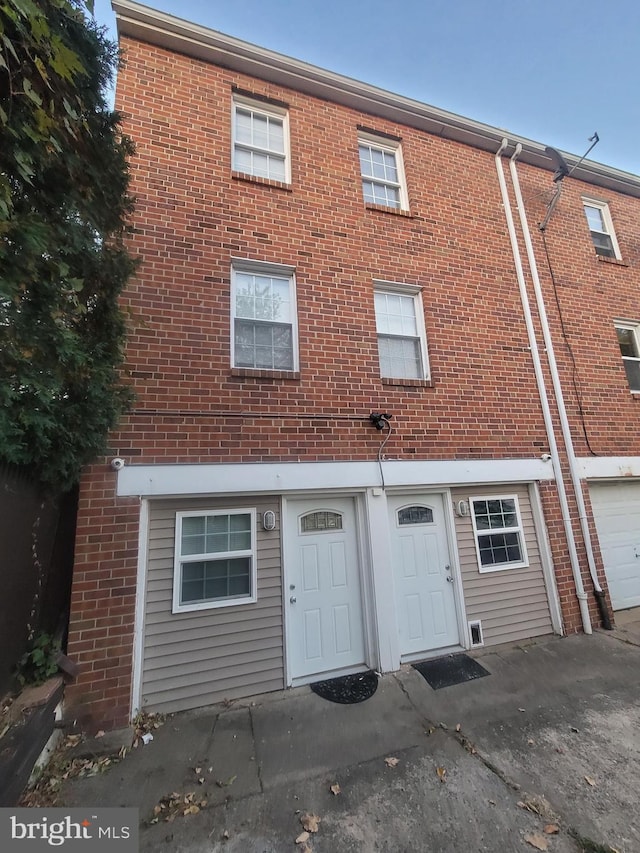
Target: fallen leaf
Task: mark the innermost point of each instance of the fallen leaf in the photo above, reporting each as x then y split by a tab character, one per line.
100	733
531	742
197	770
392	762
590	781
492	802
193	809
335	789
201	780
304	836
305	848
310	822
552	829
430	730
225	834
522	710
442	773
574	729
535	839
458	727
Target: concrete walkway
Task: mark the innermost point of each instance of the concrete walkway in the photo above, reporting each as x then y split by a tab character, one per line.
554	728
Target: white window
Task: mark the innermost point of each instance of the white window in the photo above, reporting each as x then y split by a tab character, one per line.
382	172
601	228
264	334
215	559
402	348
630	349
498	533
260	140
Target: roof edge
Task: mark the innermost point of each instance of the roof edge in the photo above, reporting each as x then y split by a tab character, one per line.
159	28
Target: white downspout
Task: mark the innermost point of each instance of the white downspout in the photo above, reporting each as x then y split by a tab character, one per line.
555	376
542	391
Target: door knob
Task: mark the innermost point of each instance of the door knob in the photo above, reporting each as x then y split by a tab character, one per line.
293	599
449	579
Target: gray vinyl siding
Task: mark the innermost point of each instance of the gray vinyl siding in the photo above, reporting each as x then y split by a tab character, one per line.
512	604
196	658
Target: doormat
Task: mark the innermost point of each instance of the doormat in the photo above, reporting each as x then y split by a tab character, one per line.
347	689
450	670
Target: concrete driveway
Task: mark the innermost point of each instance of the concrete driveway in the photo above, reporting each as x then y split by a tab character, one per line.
551	738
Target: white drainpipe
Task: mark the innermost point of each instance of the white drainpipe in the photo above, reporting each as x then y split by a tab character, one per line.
555	377
542	391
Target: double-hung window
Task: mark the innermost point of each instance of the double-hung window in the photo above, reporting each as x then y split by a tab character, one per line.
264	335
261	140
402	347
601	228
382	172
497	526
215	559
628	340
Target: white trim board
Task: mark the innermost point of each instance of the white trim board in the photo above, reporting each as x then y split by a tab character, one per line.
160	480
597	467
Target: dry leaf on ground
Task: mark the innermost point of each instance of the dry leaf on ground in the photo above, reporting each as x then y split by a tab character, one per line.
458	727
392	762
442	773
552	829
310	822
305	847
590	781
535	839
304	836
335	789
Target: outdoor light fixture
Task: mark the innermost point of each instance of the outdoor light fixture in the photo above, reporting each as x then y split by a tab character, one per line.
269	520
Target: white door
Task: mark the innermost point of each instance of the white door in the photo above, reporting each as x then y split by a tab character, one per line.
424	586
324	607
616	510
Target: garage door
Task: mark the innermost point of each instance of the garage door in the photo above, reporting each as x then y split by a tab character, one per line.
616	509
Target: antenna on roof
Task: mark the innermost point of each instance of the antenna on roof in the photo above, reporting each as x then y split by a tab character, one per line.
594	141
562	170
559	162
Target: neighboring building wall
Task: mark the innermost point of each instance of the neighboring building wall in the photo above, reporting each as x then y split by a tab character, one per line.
198	658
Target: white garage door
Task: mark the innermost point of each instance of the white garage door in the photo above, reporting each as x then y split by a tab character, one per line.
616	509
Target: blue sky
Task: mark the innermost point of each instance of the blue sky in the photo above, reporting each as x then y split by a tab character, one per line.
552	70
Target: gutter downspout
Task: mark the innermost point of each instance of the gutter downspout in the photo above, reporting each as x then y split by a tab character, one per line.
557	387
542	392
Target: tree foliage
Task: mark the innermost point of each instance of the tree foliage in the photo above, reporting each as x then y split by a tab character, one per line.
64	205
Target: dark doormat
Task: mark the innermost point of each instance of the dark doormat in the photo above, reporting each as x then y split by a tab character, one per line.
347	689
450	670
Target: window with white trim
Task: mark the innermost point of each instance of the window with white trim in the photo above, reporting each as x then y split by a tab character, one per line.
215	559
629	343
382	172
260	140
264	327
498	531
402	347
601	228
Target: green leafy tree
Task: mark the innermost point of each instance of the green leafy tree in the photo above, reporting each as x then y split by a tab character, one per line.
64	208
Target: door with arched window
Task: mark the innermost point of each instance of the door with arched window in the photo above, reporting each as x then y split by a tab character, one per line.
324	613
423	581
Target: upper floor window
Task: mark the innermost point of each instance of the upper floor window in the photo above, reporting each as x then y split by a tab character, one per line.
601	228
382	172
630	349
215	559
499	535
264	334
402	347
260	140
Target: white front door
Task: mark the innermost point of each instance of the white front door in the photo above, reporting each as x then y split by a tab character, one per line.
323	597
424	587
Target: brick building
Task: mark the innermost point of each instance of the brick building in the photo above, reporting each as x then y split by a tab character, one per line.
380	414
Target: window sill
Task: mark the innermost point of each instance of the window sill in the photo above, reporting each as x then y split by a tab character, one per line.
253	373
615	261
408	383
256	179
395	211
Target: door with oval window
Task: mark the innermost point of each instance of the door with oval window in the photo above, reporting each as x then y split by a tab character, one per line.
325	630
424	584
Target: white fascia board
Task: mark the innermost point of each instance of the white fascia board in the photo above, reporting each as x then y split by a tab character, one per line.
254	478
149	25
608	467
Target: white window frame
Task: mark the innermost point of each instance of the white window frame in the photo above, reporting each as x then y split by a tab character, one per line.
241	265
499	567
634	328
389	146
180	560
415	292
269	111
603	207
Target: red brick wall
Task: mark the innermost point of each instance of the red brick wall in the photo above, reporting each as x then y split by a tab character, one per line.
193	216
